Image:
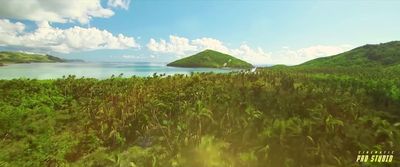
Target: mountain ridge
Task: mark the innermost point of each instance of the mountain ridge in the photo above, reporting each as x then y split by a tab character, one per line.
370	55
11	57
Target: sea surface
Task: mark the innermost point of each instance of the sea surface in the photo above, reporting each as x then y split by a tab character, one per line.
94	70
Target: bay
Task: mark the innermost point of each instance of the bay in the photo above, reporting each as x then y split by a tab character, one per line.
99	70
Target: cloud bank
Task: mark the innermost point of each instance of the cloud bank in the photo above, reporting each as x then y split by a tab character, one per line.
59	11
297	56
182	46
48	38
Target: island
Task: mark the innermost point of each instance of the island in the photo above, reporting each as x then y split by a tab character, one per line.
9	57
211	59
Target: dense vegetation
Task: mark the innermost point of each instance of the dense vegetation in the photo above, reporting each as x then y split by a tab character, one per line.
211	58
381	55
272	117
317	114
7	57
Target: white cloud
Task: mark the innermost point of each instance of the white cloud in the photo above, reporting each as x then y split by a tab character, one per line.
210	43
254	56
7	27
61	11
184	47
49	38
176	45
124	4
320	51
297	56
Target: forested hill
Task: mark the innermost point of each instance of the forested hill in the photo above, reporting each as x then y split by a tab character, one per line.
211	58
380	55
7	57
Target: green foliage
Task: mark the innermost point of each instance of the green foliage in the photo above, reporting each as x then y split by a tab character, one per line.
271	117
210	58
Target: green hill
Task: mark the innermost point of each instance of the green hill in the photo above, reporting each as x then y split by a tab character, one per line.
380	55
7	57
211	58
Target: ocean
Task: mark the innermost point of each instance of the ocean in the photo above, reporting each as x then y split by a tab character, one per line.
99	70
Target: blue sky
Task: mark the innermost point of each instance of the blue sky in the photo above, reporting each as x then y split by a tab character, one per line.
262	32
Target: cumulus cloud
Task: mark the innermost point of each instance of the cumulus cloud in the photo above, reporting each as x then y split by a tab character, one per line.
7	27
124	4
183	46
49	38
61	11
297	56
255	56
176	45
321	51
210	43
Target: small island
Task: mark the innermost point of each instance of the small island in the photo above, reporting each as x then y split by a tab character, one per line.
9	57
211	59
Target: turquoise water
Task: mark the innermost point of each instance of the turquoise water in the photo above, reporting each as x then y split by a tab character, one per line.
93	70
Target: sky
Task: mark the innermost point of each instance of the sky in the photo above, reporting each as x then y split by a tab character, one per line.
258	31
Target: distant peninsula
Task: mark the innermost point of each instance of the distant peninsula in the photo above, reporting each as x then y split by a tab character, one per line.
211	59
386	55
8	57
